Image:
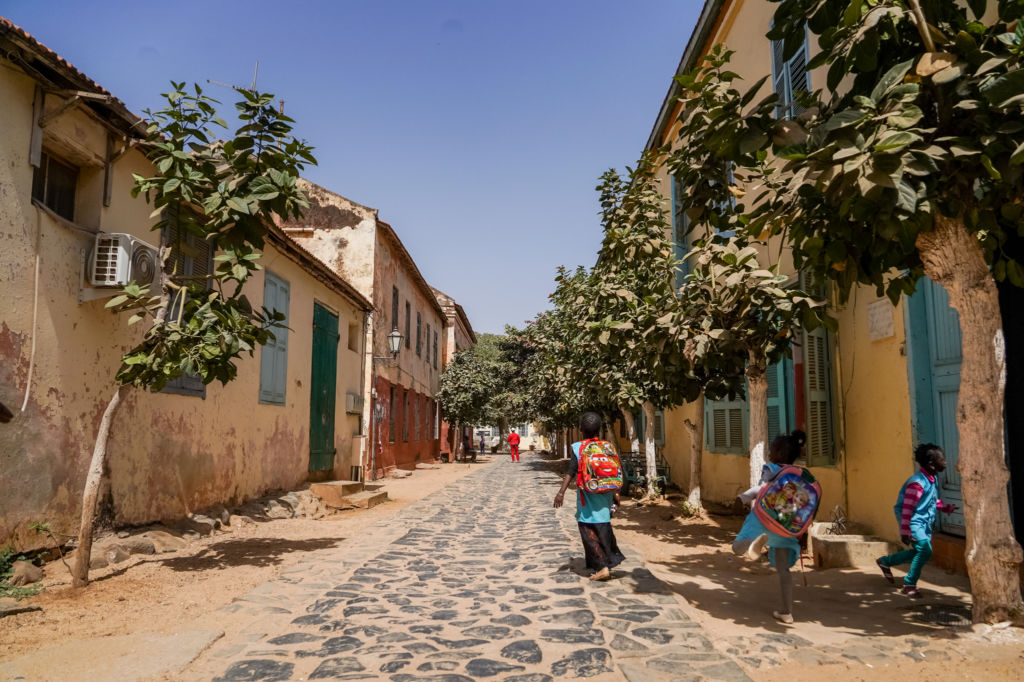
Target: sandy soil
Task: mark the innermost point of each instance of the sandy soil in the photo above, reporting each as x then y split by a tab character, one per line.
733	600
158	593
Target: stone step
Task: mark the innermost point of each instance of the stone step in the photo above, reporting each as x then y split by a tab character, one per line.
365	499
333	493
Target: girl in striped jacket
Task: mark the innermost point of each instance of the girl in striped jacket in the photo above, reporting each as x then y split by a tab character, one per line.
915	511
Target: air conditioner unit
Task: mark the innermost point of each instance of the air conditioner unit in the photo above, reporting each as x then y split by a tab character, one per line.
118	259
353	403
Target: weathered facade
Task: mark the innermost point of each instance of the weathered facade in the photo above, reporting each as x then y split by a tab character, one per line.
458	336
866	395
67	154
402	411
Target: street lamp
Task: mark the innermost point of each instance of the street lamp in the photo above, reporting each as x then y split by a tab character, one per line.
395	342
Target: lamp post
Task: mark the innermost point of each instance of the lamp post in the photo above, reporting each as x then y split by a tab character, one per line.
395	338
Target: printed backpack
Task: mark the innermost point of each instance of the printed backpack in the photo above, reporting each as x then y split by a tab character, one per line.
787	503
600	470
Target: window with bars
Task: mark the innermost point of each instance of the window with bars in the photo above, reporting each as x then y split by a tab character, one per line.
419	335
392	415
789	76
394	308
416	410
408	325
191	259
405	416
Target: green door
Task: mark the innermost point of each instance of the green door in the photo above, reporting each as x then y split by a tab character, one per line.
323	389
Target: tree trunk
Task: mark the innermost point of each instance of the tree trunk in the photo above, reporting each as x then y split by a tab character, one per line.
696	429
634	442
80	576
650	451
954	260
502	432
757	387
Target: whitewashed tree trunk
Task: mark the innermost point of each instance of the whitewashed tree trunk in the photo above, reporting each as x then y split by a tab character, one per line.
650	452
757	388
954	260
80	575
627	415
696	429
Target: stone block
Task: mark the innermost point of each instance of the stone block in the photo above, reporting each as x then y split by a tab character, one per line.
333	493
842	551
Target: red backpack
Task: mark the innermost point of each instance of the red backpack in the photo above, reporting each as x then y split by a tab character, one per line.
787	503
600	470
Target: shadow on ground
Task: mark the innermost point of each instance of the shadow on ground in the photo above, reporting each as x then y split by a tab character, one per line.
246	552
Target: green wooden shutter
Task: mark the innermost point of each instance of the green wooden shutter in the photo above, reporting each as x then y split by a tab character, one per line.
659	427
680	232
780	381
725	426
818	386
274	355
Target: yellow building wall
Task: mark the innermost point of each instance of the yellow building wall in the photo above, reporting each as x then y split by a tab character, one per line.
870	385
168	454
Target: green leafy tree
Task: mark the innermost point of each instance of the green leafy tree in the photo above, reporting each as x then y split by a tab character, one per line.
744	318
466	386
226	192
908	163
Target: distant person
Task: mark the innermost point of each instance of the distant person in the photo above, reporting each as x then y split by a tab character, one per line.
594	510
513	443
467	448
783	550
481	445
915	512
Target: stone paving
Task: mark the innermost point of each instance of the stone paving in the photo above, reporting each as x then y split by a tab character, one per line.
481	580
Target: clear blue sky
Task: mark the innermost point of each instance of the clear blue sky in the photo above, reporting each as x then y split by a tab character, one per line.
477	127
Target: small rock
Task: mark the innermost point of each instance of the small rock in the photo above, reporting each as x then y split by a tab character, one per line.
201	524
225	516
163	541
25	573
276	510
123	533
115	554
138	544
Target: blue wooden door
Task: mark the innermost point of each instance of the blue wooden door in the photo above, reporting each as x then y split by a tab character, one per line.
935	336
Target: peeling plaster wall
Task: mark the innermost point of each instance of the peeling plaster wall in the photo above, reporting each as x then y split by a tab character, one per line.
168	454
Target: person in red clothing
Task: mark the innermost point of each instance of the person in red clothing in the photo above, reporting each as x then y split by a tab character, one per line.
513	441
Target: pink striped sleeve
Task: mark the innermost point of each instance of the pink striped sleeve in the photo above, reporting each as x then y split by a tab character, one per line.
910	499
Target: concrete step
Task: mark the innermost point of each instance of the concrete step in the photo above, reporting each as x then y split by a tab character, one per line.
333	493
365	499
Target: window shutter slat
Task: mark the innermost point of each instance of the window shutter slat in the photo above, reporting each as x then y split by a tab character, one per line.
820	446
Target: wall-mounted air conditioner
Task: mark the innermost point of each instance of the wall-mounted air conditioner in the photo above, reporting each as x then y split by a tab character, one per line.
353	403
118	259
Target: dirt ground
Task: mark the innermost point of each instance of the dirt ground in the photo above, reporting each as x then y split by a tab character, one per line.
160	592
837	610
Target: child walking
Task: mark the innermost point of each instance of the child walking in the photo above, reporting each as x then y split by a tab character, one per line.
783	551
593	510
915	511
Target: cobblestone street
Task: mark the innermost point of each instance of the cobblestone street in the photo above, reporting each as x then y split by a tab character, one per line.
476	581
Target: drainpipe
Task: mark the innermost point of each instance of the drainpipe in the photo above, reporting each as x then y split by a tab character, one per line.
369	394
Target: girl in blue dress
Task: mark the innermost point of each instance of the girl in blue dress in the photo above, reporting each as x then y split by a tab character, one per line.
783	550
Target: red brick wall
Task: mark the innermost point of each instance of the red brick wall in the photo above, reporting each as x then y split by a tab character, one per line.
413	432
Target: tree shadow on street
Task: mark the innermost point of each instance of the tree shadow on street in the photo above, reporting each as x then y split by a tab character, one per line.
246	552
711	579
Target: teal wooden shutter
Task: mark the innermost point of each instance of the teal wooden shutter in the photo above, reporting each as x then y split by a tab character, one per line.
818	388
680	232
274	355
788	77
659	427
725	426
323	389
780	382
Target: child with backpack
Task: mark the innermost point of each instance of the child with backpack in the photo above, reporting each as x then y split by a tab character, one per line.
598	475
915	512
783	506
